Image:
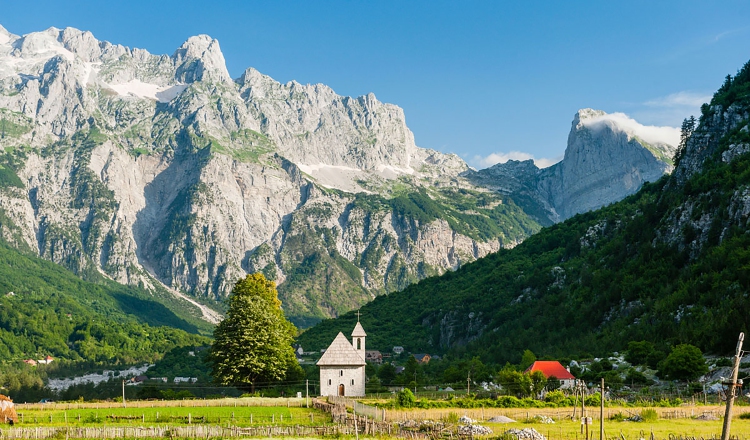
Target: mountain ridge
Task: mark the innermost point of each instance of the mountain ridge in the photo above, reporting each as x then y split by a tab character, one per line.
667	264
161	170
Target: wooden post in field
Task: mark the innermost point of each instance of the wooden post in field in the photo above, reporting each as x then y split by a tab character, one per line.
123	395
732	387
601	413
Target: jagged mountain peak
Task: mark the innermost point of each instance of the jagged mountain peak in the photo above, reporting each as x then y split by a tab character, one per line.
586	114
200	59
595	121
5	35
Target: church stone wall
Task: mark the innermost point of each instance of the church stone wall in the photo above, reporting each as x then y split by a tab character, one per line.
342	375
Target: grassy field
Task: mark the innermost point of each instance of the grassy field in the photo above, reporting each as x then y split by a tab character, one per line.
236	412
671	422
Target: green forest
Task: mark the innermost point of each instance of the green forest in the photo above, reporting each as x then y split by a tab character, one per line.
46	310
628	272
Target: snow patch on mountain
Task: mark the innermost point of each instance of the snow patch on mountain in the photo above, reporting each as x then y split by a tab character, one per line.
141	89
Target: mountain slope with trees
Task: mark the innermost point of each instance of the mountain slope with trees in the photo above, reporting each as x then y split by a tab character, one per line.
669	265
46	310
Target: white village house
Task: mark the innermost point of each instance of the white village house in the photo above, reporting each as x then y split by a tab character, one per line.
342	366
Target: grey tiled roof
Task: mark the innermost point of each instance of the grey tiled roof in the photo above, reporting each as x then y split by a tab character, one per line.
341	353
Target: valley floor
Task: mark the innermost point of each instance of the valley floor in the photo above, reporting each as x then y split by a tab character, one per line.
227	418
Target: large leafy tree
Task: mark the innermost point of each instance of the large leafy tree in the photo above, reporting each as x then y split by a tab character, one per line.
685	362
253	343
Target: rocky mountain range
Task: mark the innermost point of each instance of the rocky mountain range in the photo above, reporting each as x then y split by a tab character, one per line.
604	162
163	171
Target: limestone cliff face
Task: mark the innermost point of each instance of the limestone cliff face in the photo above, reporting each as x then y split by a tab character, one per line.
604	162
155	169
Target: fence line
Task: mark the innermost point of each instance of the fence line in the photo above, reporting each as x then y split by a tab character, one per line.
195	431
191	403
359	408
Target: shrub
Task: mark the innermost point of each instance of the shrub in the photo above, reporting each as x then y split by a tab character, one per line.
451	418
649	415
617	417
556	397
405	398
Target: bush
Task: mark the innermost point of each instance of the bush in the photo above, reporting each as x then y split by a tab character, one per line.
556	397
617	417
451	418
405	398
649	415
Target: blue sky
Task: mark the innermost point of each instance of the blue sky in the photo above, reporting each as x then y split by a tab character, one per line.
486	80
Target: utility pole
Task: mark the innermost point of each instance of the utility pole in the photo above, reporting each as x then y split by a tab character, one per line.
601	413
307	392
468	382
415	383
123	395
732	387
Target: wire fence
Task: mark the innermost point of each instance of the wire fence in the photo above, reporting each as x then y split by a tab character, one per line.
359	408
191	403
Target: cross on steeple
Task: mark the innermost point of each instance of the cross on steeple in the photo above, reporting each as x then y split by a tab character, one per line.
357	315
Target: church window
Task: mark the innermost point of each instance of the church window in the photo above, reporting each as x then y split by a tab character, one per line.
341	373
329	381
359	343
352	381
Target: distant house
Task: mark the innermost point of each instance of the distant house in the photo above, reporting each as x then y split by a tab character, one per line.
141	378
46	360
554	369
31	362
422	358
398	349
179	379
374	356
400	370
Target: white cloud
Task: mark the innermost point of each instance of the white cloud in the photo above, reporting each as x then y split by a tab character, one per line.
480	162
670	110
679	99
649	133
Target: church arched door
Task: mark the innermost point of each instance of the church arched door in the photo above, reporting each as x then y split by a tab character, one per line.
341	389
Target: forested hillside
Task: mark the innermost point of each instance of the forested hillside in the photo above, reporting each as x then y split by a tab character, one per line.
670	264
46	310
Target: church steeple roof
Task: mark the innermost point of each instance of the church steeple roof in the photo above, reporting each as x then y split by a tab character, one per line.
358	331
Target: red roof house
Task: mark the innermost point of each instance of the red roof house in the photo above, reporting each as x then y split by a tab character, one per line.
554	368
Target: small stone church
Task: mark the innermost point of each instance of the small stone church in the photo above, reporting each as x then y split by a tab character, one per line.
342	366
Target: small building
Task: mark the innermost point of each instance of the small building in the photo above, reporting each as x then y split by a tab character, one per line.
554	369
342	366
400	370
422	358
374	356
31	362
46	360
398	349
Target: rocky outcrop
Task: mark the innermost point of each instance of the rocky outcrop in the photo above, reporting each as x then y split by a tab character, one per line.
603	163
